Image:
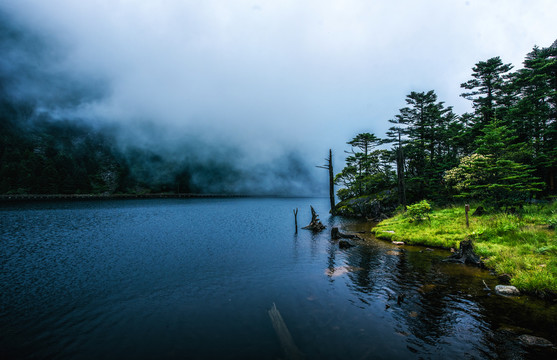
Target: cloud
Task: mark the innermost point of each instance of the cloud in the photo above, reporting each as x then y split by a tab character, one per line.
273	77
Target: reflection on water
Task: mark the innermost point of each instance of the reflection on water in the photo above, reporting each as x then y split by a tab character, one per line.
196	278
442	308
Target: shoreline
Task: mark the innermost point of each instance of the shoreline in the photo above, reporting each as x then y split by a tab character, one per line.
14	198
78	197
522	247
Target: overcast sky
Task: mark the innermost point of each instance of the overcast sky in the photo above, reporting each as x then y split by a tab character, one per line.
302	75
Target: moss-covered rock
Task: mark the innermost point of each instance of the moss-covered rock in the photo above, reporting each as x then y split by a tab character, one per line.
375	207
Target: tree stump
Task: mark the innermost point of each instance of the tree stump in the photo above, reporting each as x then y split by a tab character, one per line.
479	211
315	225
465	254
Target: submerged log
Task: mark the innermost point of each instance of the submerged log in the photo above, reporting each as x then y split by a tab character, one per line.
291	351
315	224
465	254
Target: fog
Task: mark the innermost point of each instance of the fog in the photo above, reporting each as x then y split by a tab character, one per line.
266	87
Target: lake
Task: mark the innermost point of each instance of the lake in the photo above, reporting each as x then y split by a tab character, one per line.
196	279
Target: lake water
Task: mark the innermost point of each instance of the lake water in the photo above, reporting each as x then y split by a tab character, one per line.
196	278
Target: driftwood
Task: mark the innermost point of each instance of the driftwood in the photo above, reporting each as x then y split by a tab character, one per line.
315	224
465	255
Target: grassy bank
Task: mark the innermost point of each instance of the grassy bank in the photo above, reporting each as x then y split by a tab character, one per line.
523	245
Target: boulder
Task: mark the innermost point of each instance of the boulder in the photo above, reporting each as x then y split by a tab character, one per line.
535	341
507	290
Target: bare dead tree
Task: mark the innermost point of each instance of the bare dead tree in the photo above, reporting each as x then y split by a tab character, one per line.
329	166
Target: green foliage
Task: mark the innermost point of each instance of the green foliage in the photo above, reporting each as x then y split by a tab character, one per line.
491	175
520	244
367	171
552	222
419	211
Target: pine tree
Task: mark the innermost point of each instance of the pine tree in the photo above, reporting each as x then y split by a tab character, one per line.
488	91
534	117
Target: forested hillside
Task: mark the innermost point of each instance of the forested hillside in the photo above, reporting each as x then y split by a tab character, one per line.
41	156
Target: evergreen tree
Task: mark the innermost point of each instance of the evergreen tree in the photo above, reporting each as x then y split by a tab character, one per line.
396	135
534	117
488	91
425	120
366	171
491	174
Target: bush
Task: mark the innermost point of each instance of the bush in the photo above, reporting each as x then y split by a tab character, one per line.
419	211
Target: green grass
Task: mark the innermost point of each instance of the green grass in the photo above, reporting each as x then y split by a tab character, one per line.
522	245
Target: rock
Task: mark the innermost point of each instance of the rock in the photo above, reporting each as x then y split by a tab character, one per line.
479	211
507	290
534	341
344	244
375	207
338	271
382	217
397	242
389	231
336	234
394	253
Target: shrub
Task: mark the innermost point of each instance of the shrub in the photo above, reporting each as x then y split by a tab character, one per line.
419	211
552	221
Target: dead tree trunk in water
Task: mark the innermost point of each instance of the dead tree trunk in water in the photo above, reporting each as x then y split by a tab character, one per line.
296	219
315	224
329	167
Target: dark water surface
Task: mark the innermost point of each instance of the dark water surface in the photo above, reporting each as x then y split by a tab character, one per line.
195	278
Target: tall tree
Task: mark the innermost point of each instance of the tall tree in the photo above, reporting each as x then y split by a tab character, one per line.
534	117
366	171
395	135
423	118
365	142
488	89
